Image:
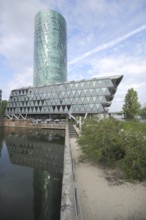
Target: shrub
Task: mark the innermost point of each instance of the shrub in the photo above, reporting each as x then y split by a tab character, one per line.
100	140
134	161
106	141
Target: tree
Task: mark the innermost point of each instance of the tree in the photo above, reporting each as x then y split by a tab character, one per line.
3	107
143	113
131	107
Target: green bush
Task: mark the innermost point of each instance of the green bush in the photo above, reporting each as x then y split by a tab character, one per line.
134	126
3	108
134	161
106	141
100	140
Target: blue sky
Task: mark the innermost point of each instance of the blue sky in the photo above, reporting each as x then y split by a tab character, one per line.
105	37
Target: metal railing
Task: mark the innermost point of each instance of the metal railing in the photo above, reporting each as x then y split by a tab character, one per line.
78	210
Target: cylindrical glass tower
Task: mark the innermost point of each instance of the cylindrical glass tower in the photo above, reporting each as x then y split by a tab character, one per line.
50	48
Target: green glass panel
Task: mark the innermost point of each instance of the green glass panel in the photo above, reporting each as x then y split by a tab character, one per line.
50	50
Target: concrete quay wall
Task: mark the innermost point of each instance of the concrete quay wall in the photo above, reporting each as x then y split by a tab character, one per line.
1	123
28	124
68	204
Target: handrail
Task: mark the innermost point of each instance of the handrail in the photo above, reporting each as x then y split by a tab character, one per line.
78	210
70	203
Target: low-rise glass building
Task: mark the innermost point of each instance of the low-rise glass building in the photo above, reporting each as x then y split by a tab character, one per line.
75	97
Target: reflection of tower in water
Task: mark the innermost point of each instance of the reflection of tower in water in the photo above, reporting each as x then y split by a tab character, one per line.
1	140
46	159
47	195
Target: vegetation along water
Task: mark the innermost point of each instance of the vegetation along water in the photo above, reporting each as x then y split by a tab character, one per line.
118	144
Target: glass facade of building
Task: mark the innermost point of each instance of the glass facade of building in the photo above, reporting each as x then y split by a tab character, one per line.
50	48
75	97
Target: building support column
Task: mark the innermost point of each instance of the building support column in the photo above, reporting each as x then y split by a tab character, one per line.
9	116
22	116
15	116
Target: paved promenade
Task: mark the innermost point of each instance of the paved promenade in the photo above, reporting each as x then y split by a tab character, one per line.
105	197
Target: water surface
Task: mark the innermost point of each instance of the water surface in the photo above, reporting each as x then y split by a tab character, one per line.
31	165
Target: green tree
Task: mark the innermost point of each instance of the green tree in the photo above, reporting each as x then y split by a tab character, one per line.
143	113
3	107
131	107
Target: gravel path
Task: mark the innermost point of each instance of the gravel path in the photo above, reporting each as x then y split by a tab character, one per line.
105	197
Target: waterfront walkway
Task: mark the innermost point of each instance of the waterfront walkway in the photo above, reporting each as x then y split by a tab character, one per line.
103	196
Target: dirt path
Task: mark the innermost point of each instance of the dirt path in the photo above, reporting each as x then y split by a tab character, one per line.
103	197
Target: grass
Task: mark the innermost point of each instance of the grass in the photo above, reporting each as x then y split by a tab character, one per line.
135	126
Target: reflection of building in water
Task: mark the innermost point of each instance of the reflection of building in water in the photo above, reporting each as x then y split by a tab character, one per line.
35	153
1	140
0	146
46	159
47	196
55	136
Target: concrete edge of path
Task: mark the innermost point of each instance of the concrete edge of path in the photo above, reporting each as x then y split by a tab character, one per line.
67	211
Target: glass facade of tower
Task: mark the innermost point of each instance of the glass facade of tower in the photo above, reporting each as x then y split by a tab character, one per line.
50	48
76	97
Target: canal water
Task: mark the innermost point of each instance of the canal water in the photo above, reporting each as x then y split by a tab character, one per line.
31	168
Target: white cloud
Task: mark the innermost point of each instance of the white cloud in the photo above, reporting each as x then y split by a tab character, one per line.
19	80
108	45
118	65
17	27
134	71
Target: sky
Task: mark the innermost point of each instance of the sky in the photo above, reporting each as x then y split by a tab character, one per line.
105	38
